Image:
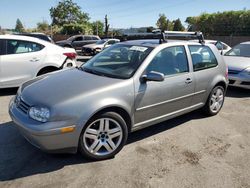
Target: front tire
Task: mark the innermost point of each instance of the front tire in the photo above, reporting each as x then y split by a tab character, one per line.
215	101
103	137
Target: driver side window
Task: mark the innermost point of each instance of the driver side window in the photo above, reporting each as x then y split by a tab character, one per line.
111	42
170	61
78	39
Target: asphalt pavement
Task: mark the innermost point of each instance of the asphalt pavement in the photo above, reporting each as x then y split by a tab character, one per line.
189	151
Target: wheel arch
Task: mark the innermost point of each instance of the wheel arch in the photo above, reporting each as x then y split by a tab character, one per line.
117	109
222	83
48	67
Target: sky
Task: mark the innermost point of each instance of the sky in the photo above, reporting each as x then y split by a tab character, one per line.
121	13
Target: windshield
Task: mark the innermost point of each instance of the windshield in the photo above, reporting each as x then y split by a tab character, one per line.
240	50
71	38
100	41
118	61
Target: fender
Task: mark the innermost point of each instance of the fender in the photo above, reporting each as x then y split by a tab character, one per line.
46	65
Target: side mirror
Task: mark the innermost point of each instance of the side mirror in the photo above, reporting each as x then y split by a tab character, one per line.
153	76
219	46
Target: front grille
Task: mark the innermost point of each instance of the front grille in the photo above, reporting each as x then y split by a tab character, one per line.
21	105
233	71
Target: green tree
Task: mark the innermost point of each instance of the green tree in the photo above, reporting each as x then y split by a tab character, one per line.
150	29
43	26
98	27
191	21
19	26
162	22
221	23
73	29
177	25
68	12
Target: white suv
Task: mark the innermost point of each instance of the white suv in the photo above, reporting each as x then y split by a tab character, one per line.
23	58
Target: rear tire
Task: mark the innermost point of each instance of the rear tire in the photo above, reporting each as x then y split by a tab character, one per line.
215	101
103	137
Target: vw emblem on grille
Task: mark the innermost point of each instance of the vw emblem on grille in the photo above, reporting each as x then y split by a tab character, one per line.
18	100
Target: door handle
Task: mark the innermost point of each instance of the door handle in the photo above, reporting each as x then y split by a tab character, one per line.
188	81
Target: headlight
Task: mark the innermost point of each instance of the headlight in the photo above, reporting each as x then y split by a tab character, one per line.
39	113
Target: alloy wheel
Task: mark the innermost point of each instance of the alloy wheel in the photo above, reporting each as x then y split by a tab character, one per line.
102	137
216	100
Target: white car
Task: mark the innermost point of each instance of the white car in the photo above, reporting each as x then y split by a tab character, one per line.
221	46
23	58
92	49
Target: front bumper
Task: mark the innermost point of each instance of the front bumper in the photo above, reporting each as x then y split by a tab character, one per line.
46	136
239	80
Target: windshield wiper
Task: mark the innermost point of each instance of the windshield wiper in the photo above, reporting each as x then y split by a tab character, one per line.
92	71
99	73
79	68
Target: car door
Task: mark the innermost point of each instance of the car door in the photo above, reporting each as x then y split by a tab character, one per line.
159	100
2	52
20	62
78	42
204	67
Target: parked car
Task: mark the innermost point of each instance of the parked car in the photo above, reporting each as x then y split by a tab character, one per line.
238	61
23	58
38	35
221	46
128	86
78	41
92	49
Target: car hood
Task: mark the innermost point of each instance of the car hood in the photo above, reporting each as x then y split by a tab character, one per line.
53	88
237	63
93	46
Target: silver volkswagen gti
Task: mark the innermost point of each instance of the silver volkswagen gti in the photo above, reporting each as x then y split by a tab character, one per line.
129	86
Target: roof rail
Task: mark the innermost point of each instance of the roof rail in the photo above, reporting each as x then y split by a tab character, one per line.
164	35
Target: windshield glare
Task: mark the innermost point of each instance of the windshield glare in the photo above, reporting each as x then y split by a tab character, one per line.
100	41
240	50
119	61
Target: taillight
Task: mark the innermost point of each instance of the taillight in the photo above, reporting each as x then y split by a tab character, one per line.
70	55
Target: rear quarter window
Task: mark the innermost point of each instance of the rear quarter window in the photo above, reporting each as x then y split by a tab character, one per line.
202	57
19	47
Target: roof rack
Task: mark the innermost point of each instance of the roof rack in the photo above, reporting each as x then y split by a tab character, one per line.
198	35
164	35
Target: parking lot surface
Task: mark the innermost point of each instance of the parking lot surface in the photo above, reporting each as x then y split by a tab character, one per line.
188	151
